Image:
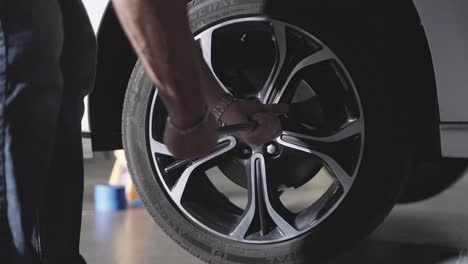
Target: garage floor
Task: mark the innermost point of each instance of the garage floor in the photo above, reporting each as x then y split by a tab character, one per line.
431	232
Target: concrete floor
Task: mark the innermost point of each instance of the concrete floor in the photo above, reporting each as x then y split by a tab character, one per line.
430	232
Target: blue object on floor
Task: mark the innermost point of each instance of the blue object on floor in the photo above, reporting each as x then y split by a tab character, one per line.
137	203
109	198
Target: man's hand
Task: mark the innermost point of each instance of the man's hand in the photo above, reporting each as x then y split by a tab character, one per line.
203	140
269	125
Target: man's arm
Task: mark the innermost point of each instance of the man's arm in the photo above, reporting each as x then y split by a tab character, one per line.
159	32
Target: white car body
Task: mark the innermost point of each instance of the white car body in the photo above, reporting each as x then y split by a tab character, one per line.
96	10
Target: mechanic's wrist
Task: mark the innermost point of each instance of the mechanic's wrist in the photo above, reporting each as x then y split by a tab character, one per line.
220	108
187	130
184	112
186	119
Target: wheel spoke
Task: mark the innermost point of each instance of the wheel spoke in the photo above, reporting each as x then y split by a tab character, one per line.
313	213
259	204
306	145
352	129
322	55
282	74
205	41
225	145
279	31
247	218
159	148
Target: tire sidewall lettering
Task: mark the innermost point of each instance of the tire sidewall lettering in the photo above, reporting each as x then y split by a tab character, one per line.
204	13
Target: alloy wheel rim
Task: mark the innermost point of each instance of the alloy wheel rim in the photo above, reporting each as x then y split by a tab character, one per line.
265	219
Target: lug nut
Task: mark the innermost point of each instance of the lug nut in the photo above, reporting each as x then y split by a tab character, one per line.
245	152
272	149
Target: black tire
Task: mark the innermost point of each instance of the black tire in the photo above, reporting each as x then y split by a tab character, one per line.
431	178
356	35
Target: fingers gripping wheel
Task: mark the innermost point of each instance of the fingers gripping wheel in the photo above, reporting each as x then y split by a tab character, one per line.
239	204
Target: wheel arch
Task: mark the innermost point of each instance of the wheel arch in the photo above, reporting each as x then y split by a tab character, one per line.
446	25
424	117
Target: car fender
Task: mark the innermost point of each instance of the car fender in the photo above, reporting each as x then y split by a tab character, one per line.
446	26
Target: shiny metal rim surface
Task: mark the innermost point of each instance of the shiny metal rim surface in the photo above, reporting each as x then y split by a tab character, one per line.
264	219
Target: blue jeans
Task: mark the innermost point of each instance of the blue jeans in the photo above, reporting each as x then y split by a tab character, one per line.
47	66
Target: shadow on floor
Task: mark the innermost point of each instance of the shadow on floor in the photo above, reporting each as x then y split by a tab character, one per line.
375	252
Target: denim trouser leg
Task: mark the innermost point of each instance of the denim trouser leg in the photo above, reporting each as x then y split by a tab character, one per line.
30	102
46	65
5	234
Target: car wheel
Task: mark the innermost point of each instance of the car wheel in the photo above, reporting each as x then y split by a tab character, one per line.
333	175
429	178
